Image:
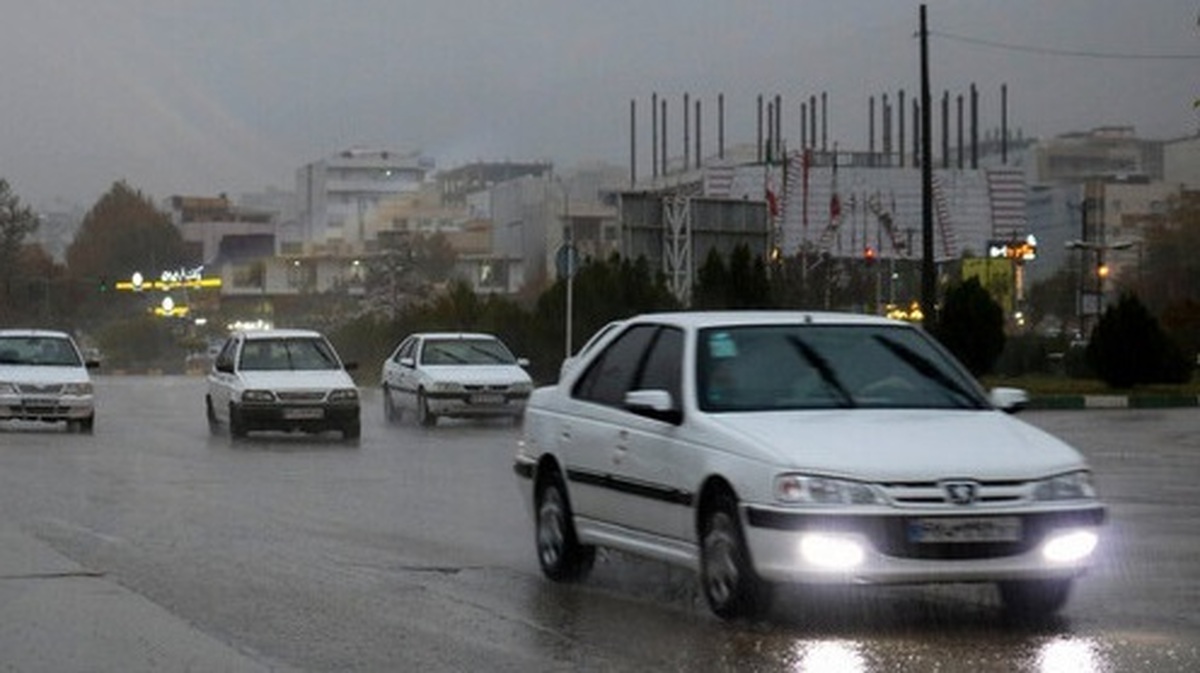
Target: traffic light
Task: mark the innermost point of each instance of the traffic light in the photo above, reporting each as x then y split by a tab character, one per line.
103	285
869	255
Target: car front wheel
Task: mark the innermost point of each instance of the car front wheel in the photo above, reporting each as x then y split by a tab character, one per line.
425	417
390	411
560	555
214	425
731	586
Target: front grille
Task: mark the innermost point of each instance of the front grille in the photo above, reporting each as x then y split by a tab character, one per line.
933	493
36	389
486	388
301	396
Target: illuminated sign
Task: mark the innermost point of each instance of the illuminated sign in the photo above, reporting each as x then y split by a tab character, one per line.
170	280
169	309
1023	251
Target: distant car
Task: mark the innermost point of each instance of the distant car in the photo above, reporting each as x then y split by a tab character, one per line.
43	377
454	374
281	379
762	448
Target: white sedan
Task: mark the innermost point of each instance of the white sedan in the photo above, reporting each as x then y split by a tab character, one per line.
454	374
809	448
44	378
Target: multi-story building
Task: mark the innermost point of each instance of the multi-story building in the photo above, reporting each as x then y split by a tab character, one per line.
338	196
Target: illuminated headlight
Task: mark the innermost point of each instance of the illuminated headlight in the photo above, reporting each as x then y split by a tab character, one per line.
522	387
258	396
1070	546
344	395
1071	486
77	389
804	489
446	387
831	552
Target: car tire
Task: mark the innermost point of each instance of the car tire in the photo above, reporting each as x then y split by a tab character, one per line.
560	555
352	430
214	425
87	425
425	417
390	411
1034	599
731	587
237	427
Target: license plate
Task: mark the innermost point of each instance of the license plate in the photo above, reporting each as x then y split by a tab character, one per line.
973	529
303	413
39	402
487	398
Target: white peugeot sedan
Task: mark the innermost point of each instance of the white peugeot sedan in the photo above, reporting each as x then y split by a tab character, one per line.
281	379
454	374
761	448
44	378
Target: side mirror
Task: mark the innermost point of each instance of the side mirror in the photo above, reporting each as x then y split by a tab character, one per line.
350	366
656	404
224	366
522	362
1010	400
92	364
408	362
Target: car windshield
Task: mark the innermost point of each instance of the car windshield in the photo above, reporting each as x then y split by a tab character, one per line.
778	367
466	352
38	350
287	354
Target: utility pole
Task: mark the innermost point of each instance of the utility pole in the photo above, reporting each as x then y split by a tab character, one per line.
928	270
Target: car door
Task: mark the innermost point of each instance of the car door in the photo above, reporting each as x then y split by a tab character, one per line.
220	384
393	373
608	449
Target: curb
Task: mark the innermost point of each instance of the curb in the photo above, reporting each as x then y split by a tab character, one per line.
1113	401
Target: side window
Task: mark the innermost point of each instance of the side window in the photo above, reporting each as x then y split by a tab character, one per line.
612	373
664	365
405	350
225	357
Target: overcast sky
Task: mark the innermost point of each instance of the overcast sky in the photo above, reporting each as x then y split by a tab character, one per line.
210	96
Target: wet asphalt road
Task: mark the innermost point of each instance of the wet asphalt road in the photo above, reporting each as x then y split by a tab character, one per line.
411	550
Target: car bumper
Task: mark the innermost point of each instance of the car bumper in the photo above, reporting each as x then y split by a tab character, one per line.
886	554
296	417
50	409
476	404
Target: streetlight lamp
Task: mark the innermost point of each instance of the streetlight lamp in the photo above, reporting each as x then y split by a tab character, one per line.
567	259
1101	270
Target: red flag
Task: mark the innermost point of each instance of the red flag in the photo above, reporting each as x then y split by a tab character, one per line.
835	207
772	202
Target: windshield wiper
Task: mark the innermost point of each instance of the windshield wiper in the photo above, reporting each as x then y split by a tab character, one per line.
926	368
819	363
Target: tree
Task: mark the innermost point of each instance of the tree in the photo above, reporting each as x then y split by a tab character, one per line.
1128	347
971	326
122	234
16	222
712	283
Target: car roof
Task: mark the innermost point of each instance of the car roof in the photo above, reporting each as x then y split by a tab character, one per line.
34	333
455	335
253	335
702	319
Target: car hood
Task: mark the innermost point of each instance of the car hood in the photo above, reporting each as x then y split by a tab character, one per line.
42	374
309	379
904	445
477	374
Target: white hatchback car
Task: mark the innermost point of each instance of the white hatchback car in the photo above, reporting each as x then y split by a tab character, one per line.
282	379
806	448
454	374
43	377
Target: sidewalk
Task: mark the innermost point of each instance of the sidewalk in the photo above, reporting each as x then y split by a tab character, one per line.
1112	401
58	617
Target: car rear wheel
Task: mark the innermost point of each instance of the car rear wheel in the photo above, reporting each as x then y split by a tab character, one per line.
1034	599
560	555
731	586
425	417
390	411
214	425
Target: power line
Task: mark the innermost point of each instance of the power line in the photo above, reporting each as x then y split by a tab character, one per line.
1065	52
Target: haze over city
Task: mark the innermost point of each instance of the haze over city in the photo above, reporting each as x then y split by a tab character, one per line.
194	97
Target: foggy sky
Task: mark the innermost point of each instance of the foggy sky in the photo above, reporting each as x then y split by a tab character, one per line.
209	96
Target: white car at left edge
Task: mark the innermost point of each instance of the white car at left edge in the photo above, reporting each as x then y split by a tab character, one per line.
43	377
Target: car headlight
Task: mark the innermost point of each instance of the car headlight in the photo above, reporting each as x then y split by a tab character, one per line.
522	387
344	395
258	396
1071	486
77	389
806	489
